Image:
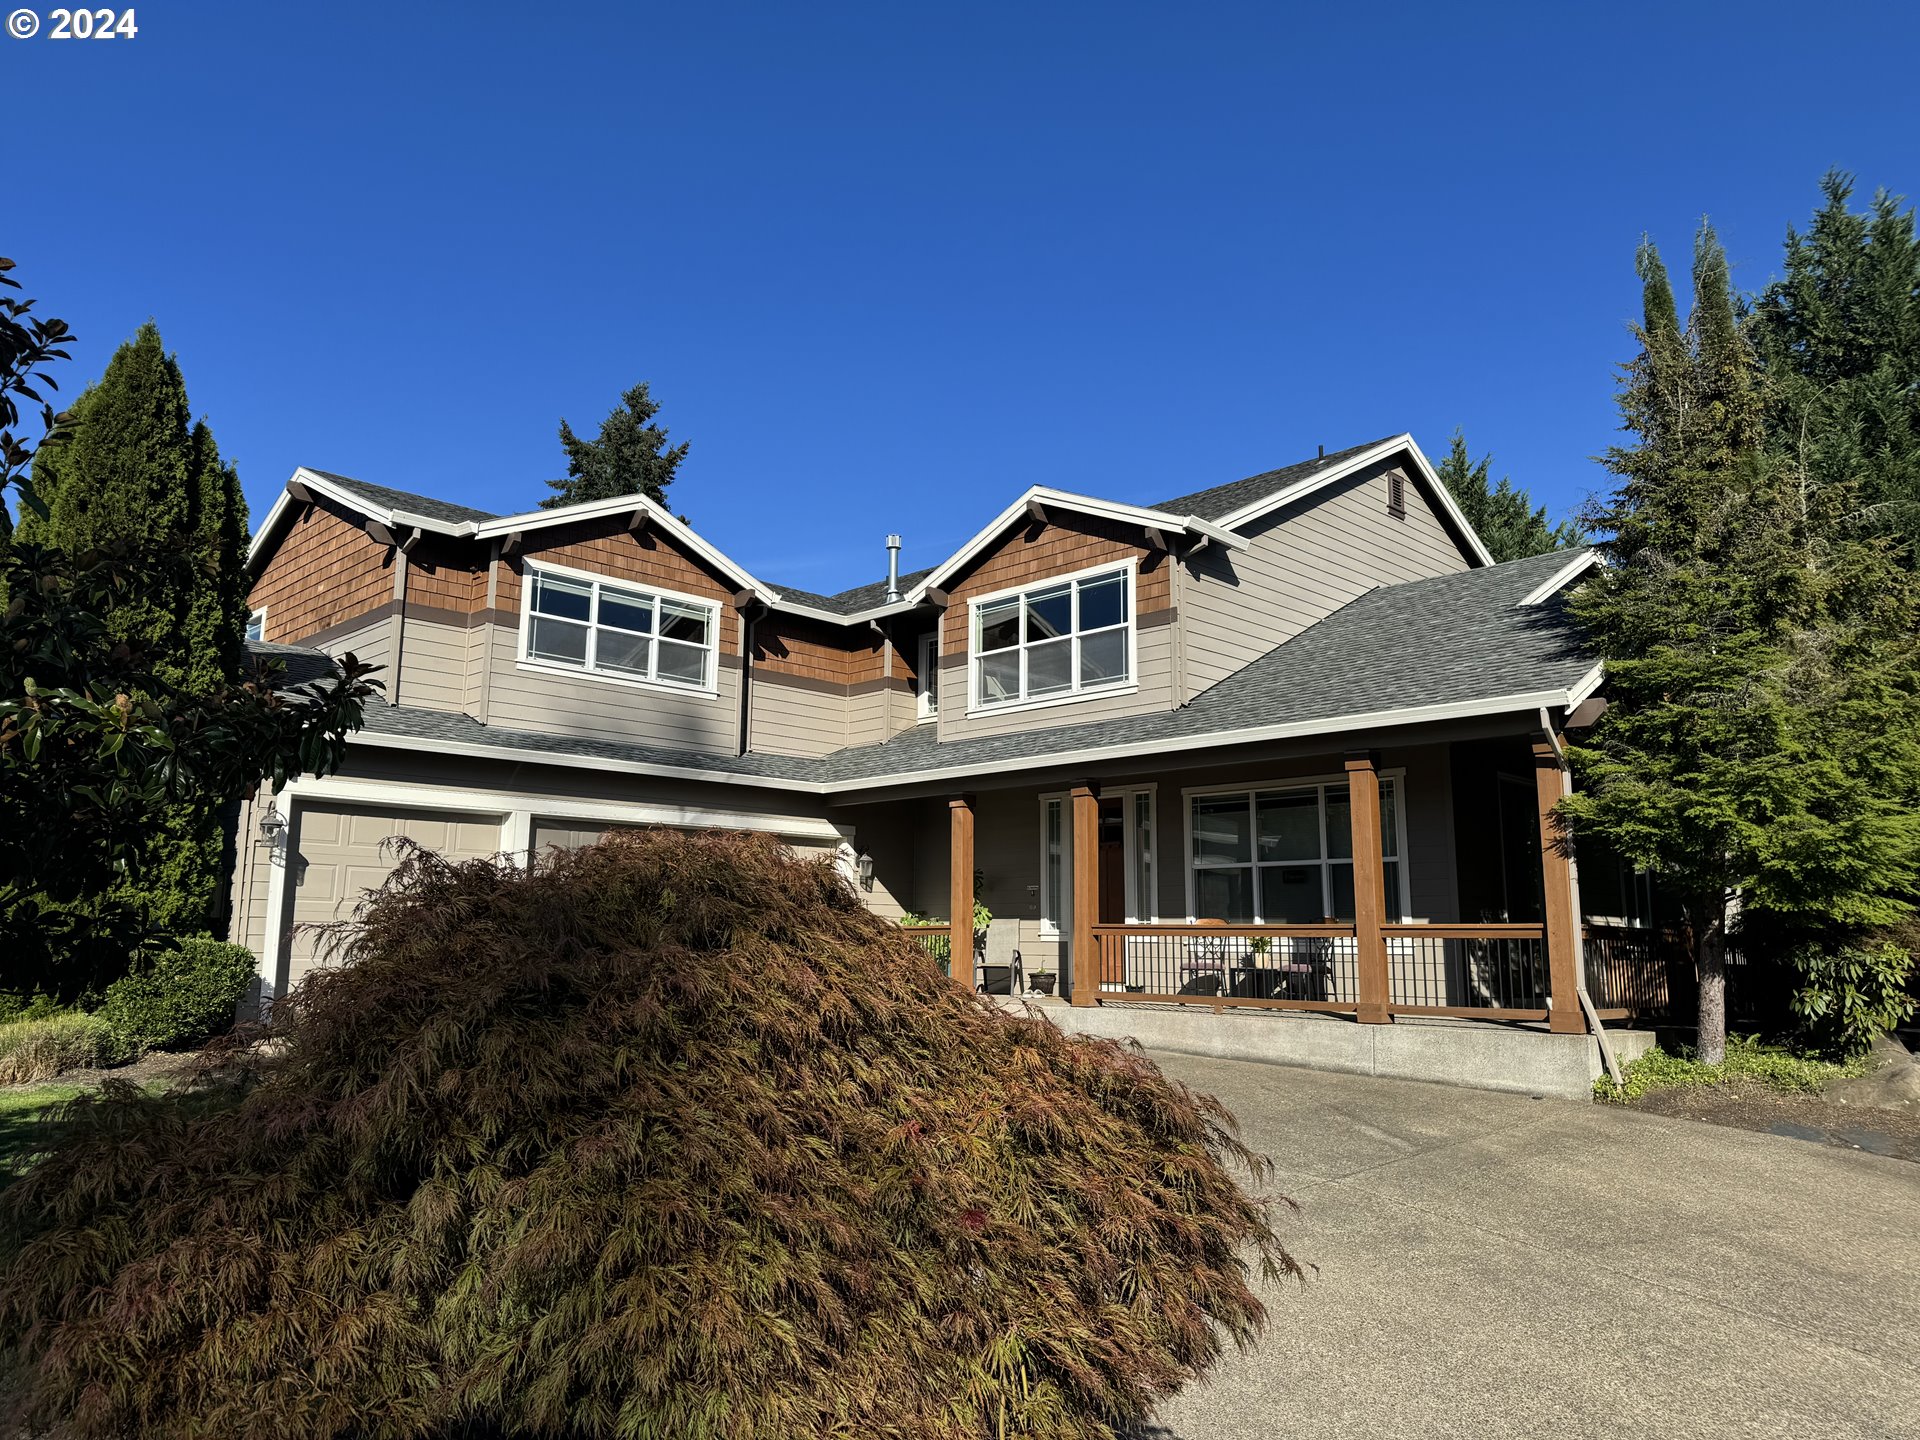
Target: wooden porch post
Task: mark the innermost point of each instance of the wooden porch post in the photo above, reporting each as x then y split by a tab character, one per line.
960	888
1556	888
1369	884
1086	893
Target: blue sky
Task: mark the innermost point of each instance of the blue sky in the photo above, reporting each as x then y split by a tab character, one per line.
886	265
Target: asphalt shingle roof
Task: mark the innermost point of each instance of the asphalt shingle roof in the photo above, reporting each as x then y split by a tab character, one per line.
406	500
1447	640
852	602
1225	499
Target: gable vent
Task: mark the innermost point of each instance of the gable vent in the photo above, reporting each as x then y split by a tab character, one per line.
1397	495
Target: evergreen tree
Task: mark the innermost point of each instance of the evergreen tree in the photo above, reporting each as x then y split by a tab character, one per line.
1504	518
1840	336
137	475
1760	744
629	456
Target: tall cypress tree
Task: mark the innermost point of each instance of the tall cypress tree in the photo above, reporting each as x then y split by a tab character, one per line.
1839	334
136	471
1760	746
1505	519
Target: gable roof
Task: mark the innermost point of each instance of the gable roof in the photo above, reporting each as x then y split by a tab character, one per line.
1224	500
1451	647
406	501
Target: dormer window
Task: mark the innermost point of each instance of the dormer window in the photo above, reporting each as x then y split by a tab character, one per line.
576	621
1055	640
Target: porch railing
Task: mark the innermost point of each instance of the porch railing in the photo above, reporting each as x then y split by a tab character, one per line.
1631	969
1492	972
936	940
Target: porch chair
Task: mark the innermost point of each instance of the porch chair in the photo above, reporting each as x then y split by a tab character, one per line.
1000	970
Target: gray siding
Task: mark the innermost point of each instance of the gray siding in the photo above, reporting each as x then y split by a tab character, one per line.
435	665
794	719
1306	561
556	704
372	643
1154	657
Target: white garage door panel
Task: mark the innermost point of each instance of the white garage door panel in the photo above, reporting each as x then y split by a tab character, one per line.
337	857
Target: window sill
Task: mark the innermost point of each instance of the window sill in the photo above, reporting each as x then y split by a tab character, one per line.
630	682
1016	707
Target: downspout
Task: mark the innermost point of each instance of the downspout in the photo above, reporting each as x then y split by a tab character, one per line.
1587	1006
399	626
487	623
746	674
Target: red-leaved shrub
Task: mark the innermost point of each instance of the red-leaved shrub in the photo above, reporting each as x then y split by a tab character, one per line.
669	1139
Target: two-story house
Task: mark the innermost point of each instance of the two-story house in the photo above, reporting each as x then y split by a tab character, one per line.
1287	741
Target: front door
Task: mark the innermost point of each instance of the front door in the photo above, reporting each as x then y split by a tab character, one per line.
1113	878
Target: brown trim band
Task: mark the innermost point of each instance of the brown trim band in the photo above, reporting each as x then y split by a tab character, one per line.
329	633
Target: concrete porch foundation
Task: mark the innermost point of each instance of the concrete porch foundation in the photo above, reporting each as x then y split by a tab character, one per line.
1474	1053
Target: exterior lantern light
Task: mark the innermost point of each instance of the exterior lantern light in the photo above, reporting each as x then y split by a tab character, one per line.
866	871
272	823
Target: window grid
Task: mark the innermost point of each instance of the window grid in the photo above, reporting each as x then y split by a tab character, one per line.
619	631
1252	899
990	666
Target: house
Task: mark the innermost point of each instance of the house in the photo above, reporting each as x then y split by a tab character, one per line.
1305	704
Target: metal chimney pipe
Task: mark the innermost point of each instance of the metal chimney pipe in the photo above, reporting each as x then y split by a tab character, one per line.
893	568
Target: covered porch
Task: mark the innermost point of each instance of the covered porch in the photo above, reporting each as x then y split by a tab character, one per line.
1422	877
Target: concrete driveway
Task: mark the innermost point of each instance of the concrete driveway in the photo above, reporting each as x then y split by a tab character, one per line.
1490	1265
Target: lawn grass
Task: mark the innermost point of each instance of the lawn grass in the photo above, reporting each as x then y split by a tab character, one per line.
1748	1059
24	1127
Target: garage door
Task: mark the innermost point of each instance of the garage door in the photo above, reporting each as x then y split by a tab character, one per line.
572	834
337	857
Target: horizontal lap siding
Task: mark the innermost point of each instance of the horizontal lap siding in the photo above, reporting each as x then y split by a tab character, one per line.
554	704
795	719
1305	562
1030	554
520	699
323	571
372	645
434	665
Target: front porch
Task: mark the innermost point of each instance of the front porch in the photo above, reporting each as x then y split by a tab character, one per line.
1421	884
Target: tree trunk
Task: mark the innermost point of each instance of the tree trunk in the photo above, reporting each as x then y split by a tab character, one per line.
1710	959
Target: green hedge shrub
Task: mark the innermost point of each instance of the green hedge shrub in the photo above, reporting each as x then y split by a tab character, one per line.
669	1137
40	1049
185	996
1852	994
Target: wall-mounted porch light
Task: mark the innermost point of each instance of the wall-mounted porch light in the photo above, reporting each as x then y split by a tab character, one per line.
272	823
866	871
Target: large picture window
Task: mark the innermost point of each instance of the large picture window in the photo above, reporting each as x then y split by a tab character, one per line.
619	631
1284	856
1054	641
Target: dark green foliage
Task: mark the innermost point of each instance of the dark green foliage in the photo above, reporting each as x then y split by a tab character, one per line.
1763	735
186	995
97	750
1505	519
671	1139
27	345
1839	334
1851	995
630	456
136	475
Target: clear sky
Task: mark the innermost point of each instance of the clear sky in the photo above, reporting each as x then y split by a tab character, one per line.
888	264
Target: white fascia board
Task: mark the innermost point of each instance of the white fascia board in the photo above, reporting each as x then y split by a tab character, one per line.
268	527
359	504
1300	729
1586	685
1323	478
1052	499
1562	578
513	754
834	617
626	505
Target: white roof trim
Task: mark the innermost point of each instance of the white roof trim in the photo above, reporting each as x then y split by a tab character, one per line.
1588	683
1353	463
1562	578
1180	744
1084	505
814	612
507	524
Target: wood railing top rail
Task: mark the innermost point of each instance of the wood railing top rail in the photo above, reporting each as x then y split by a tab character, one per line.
1436	931
1205	931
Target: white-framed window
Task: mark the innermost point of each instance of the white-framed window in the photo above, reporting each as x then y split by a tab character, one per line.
1282	854
614	630
1131	808
927	668
1052	641
257	625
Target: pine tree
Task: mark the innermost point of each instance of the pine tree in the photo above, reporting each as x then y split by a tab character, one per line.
1504	518
1840	336
629	456
1760	745
137	472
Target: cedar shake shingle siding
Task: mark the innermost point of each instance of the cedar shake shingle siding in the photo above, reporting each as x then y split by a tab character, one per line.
325	573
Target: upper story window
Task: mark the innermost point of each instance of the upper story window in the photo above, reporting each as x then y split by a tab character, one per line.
618	630
1054	640
257	626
